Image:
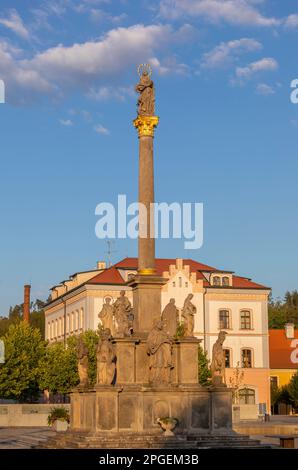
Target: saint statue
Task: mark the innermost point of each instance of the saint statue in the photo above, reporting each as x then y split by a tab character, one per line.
218	362
106	315
188	313
159	349
82	356
145	87
106	359
170	317
123	315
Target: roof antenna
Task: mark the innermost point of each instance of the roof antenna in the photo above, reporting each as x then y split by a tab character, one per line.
110	251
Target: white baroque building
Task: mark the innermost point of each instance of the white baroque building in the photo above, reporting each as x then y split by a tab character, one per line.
223	300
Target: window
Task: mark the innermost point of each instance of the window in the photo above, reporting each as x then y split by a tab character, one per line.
81	318
77	320
174	284
68	324
225	281
246	358
227	358
274	381
56	328
216	281
180	281
224	319
186	284
245	320
49	330
247	396
130	276
72	322
60	326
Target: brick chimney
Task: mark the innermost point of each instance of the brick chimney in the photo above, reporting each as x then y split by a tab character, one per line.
26	313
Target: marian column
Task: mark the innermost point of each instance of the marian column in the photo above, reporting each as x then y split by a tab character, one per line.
146	285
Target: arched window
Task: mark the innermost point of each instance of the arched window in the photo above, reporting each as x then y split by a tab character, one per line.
246	358
227	358
180	281
68	324
77	320
52	330
224	320
72	322
81	319
56	328
225	281
49	330
60	326
216	281
247	396
245	320
186	284
174	284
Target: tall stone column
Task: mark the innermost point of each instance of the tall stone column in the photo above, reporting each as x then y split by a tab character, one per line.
146	285
146	243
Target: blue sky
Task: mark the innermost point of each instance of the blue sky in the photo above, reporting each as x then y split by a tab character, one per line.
227	133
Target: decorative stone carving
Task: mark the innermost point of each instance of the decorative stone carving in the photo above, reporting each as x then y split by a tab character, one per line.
106	359
188	312
82	356
145	87
218	361
159	349
170	317
123	315
106	315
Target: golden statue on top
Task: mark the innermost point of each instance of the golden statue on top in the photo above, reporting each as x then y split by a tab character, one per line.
145	87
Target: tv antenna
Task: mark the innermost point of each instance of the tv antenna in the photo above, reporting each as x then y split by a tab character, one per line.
110	251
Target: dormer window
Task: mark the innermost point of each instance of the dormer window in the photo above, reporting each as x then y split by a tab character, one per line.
225	281
216	281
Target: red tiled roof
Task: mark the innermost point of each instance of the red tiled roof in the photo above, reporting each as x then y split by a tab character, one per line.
108	276
282	350
163	264
245	283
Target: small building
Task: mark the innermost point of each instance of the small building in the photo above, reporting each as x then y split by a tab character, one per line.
283	353
224	301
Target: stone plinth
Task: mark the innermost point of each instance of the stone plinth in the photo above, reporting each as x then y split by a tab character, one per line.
136	408
146	301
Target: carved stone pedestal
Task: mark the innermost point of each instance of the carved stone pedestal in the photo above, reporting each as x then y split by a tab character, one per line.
136	408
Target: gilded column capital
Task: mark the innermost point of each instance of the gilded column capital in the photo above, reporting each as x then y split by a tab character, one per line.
146	125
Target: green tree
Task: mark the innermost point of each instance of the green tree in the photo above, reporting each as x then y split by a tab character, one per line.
24	348
59	367
293	389
283	311
204	369
58	370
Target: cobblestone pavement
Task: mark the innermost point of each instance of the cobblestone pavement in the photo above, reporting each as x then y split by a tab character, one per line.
23	438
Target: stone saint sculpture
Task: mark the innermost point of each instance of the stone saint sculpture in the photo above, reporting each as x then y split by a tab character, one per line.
218	361
123	315
82	356
145	87
188	313
159	349
106	315
106	359
170	317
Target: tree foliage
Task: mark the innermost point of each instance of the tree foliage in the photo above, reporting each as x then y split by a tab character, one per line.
15	315
283	311
293	389
204	369
59	366
24	348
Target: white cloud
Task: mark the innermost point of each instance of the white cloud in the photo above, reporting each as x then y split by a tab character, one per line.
66	122
101	130
225	53
265	64
238	12
264	89
105	93
92	64
15	23
292	21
